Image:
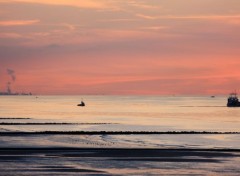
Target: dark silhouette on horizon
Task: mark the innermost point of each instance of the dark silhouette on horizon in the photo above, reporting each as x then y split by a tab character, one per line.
233	100
82	104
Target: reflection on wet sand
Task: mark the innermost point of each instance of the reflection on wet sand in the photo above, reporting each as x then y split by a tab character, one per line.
117	161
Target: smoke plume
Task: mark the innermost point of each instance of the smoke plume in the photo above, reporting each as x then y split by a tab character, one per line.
11	73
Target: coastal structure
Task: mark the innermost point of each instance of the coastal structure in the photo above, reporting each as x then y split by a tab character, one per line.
16	93
10	92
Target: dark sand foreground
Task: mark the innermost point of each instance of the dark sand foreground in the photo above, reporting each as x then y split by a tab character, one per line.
110	161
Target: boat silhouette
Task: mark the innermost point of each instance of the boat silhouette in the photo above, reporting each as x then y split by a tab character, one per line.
82	104
233	100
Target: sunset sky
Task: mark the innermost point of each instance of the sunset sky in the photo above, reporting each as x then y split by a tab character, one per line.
120	47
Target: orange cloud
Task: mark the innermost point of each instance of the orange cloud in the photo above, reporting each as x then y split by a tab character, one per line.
96	4
18	22
143	5
191	17
148	17
202	17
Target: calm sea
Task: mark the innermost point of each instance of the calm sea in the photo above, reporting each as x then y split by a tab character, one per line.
119	113
123	113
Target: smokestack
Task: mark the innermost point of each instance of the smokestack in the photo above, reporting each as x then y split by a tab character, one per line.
9	88
11	73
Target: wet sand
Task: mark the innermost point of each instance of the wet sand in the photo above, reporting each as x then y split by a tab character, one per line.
105	161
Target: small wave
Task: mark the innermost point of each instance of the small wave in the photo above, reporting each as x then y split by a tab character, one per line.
114	133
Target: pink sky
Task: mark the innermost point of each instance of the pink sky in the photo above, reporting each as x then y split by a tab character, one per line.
120	47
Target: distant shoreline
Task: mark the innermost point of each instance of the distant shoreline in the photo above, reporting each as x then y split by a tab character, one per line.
54	123
9	118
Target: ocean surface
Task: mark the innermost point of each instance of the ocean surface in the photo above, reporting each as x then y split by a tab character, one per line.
120	113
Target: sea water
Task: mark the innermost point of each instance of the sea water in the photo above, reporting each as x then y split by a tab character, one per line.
214	154
121	113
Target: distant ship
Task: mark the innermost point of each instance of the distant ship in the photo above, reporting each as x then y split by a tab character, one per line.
233	100
10	93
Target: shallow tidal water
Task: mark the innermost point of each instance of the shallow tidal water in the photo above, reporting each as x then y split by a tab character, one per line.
119	113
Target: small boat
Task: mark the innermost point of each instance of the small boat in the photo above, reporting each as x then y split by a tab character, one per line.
82	104
233	100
